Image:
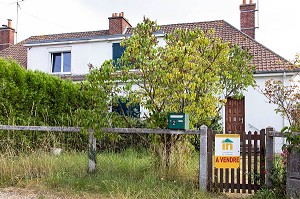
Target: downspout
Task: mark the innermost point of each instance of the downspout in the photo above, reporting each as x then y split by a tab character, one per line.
283	83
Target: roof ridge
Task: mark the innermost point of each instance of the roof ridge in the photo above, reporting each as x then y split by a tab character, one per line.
56	34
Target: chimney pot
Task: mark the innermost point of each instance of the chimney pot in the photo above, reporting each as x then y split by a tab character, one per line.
116	14
9	23
244	2
251	2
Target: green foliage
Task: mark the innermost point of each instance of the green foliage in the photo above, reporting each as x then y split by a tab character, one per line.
35	98
288	100
278	180
38	99
188	74
193	73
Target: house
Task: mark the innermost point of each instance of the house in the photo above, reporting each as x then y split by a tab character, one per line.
68	55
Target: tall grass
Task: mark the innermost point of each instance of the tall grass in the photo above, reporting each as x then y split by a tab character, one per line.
129	174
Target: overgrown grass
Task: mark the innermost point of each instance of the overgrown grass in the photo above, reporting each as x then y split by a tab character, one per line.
129	174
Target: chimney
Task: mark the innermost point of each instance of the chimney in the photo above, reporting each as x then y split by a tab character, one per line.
7	34
118	24
247	18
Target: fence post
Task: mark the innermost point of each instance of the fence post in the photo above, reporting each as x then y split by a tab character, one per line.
92	153
203	158
269	155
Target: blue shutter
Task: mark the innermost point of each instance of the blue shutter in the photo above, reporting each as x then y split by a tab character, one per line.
132	111
117	52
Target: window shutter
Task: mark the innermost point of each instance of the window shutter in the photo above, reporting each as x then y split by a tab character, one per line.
118	51
121	108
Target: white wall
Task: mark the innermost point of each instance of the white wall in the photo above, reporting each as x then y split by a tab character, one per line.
259	113
39	57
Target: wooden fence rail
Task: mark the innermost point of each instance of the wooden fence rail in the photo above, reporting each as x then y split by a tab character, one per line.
92	141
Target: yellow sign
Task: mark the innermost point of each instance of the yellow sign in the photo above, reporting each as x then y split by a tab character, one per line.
227	151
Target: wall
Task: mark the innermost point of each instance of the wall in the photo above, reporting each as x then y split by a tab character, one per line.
82	53
39	57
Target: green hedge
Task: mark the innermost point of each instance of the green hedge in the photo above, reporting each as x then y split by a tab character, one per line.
36	98
39	99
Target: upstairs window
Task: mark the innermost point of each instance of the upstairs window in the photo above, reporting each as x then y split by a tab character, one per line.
118	51
61	62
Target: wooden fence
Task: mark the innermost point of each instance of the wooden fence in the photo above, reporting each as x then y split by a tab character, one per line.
251	174
92	141
256	156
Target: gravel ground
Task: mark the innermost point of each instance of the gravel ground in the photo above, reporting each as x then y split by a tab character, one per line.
17	193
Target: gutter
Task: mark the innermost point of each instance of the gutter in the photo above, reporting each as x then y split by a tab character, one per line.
275	74
108	38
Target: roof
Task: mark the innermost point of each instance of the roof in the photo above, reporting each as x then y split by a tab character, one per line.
265	60
18	52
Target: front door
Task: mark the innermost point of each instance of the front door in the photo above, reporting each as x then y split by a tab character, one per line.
235	115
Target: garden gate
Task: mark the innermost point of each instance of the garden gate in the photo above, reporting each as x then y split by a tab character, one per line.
251	174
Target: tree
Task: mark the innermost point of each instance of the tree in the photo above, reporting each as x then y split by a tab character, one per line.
188	74
287	98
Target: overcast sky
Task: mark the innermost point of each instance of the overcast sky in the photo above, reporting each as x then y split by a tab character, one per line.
278	20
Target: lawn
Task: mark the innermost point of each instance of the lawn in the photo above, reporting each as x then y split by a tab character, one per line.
129	174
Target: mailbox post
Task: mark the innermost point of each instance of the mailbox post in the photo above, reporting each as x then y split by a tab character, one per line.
178	121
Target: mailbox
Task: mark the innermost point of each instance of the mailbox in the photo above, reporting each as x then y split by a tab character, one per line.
178	121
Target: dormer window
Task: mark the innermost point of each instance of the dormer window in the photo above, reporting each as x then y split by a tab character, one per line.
61	62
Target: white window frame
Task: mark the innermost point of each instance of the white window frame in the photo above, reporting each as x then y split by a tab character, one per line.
61	50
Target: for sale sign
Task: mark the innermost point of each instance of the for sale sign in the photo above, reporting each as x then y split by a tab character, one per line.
227	151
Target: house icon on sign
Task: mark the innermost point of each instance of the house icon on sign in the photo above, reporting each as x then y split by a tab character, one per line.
227	144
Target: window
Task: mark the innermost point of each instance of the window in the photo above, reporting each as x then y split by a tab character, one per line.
133	110
118	51
61	62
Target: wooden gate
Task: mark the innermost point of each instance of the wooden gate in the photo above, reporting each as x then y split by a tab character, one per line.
251	174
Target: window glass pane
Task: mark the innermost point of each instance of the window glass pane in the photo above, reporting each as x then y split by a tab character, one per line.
56	62
67	62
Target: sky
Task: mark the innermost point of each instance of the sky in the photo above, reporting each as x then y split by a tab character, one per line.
277	20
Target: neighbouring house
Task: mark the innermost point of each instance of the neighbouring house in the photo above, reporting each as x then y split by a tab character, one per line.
68	55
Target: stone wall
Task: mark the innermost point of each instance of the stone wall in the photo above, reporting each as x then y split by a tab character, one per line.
293	175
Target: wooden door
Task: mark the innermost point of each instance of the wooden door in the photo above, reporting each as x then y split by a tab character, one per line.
235	115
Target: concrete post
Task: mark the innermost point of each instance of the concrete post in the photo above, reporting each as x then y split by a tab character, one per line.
92	153
203	158
269	155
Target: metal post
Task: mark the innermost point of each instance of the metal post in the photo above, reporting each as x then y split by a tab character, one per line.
92	153
203	158
269	155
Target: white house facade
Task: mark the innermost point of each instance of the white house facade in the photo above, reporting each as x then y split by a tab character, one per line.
69	54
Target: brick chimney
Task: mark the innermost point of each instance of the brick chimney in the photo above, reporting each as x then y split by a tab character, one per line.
247	18
7	35
118	24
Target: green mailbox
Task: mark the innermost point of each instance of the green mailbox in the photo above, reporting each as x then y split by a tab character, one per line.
178	121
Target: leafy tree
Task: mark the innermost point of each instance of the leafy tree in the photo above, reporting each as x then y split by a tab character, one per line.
287	98
194	72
